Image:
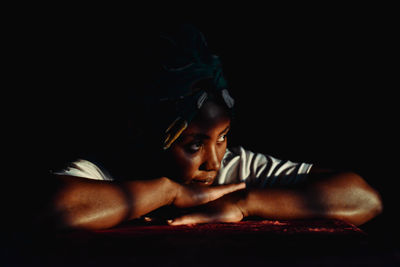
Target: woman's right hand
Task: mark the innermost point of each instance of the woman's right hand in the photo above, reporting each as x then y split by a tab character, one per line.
187	196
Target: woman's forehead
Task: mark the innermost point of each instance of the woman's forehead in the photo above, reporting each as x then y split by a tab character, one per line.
211	116
212	110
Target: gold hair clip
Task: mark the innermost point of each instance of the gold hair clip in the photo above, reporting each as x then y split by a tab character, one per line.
174	130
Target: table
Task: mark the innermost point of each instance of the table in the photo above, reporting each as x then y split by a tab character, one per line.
251	242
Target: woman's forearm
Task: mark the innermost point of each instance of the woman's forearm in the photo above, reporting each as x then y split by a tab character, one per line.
344	196
89	204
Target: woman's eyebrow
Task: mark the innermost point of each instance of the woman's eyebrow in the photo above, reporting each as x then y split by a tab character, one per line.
225	130
204	136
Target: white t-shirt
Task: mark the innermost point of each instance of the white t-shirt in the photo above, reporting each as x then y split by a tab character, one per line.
238	165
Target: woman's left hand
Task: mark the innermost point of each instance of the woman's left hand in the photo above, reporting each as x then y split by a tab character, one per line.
226	209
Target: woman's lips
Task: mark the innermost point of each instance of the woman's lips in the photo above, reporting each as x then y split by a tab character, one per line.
204	181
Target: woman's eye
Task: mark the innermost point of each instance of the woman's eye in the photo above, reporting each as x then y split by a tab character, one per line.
194	147
221	138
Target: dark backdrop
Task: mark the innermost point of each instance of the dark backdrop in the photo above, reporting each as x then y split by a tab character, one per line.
316	89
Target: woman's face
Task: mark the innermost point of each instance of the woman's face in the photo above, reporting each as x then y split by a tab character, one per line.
197	154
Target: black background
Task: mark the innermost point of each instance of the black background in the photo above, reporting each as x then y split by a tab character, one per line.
315	86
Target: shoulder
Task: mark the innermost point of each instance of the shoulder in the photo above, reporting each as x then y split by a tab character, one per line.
85	169
240	164
246	155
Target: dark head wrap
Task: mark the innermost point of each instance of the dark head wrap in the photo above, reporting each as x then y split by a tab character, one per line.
184	61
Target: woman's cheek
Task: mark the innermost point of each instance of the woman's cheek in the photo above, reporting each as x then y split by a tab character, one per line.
222	151
188	164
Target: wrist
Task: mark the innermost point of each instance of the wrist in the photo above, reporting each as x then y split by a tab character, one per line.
242	202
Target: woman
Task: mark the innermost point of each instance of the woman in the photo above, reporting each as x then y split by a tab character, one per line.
185	163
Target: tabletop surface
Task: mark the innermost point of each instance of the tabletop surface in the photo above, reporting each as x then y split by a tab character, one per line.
259	243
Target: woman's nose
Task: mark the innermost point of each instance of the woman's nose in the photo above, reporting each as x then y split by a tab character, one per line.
212	162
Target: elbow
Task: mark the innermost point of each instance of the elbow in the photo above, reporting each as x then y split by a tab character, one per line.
365	212
374	205
350	198
365	203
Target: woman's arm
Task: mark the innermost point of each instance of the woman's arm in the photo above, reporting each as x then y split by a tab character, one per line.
92	204
344	196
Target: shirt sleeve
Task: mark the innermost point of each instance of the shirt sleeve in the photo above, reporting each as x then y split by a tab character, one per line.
260	170
85	169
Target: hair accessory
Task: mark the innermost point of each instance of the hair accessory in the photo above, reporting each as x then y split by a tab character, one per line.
201	100
230	102
174	131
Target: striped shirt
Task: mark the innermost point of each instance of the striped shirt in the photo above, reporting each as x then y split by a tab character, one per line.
238	165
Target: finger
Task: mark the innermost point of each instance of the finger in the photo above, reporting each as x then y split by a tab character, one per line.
147	219
194	218
221	190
